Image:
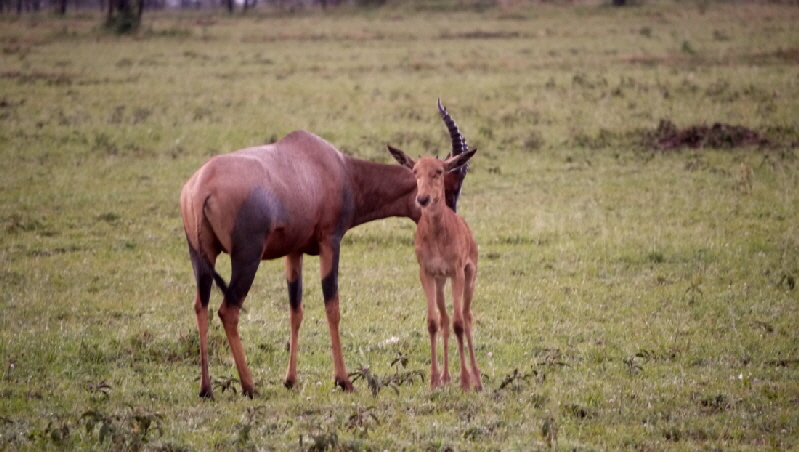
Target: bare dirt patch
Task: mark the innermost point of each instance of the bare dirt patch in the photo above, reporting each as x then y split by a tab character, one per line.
718	136
690	57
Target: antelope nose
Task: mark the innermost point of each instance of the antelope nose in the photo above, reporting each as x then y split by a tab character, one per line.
423	200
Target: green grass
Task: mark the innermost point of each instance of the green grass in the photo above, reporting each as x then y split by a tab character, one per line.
642	299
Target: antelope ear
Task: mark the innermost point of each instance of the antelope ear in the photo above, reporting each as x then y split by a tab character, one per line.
401	157
455	163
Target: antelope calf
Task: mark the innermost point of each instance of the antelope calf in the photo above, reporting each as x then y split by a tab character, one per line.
445	248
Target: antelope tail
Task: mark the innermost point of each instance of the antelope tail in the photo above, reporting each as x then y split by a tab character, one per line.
220	282
196	217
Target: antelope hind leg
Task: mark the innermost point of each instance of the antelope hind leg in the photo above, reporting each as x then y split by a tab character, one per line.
206	391
229	314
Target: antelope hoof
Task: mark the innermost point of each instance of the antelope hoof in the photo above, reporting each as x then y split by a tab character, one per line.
289	383
206	393
345	384
249	393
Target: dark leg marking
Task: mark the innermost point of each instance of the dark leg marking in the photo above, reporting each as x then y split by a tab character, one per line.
252	226
295	294
330	281
330	285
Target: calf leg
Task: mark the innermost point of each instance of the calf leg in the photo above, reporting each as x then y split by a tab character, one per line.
429	286
458	325
468	293
441	303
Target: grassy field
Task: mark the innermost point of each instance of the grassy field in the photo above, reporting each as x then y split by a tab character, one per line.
632	298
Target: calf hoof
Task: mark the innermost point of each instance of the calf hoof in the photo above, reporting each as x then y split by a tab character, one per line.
466	382
445	379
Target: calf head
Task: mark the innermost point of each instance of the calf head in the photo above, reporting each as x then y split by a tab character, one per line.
432	175
451	174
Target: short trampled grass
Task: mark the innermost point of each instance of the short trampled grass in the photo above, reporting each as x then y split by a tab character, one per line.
629	298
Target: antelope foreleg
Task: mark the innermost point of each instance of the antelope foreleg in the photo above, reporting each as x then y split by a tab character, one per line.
328	258
229	314
294	278
339	368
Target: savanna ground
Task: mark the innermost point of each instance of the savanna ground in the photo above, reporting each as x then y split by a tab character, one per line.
632	296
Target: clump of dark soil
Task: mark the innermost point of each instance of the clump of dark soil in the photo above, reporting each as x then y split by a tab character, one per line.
716	136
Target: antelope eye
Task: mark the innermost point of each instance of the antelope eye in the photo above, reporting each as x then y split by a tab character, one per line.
439	172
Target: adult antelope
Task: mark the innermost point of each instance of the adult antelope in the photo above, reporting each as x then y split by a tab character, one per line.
445	248
296	196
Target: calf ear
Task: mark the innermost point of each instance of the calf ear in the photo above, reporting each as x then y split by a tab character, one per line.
401	157
454	163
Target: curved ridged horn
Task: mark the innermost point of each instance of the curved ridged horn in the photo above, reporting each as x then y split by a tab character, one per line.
458	142
452	191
